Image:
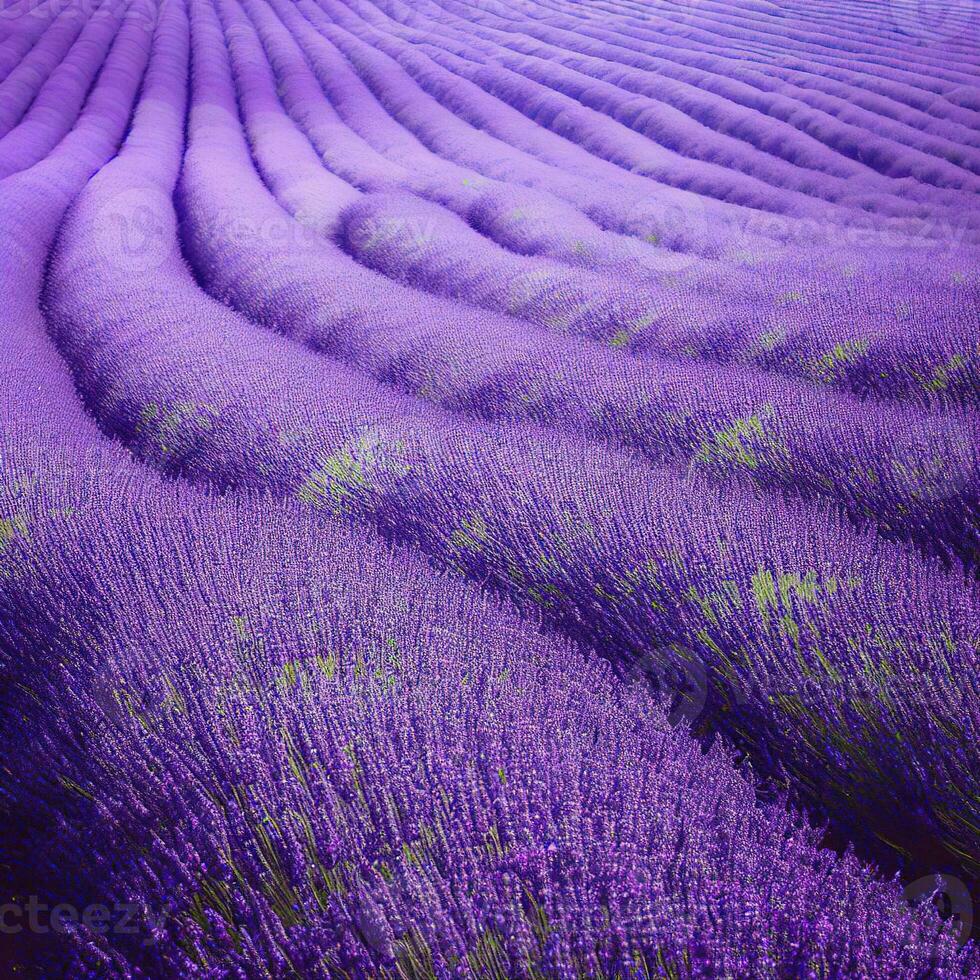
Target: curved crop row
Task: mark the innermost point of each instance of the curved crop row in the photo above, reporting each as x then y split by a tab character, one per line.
734	26
814	132
813	80
850	336
60	99
782	89
349	766
452	138
546	225
20	86
32	204
480	55
838	179
732	89
361	616
355	77
595	130
921	485
776	79
22	30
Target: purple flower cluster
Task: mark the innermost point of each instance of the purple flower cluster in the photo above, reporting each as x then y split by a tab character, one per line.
457	518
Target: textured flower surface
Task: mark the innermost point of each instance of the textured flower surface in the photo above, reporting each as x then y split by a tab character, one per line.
489	489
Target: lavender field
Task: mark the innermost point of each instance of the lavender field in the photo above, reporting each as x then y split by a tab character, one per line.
489	489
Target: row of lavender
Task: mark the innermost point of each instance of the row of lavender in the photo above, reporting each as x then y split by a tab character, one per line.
862	338
787	320
913	474
305	755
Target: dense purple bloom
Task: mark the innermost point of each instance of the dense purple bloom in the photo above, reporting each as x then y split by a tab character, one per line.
489	489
